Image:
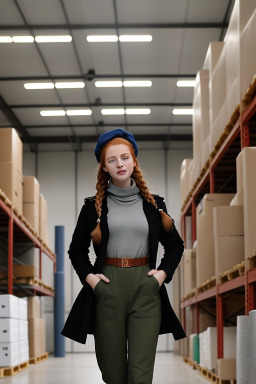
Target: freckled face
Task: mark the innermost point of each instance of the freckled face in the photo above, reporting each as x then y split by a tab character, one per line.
118	158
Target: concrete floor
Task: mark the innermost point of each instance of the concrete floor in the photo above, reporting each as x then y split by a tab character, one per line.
76	368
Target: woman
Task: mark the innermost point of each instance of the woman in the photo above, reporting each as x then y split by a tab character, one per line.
124	302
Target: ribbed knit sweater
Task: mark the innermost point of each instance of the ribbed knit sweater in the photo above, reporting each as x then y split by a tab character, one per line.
128	226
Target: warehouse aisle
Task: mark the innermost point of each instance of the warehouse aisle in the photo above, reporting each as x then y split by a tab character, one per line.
82	368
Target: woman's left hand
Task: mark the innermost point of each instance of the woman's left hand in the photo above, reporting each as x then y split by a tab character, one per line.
160	275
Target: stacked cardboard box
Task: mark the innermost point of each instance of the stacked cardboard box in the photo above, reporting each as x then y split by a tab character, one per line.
14	345
228	228
185	179
189	277
11	166
31	190
205	265
36	328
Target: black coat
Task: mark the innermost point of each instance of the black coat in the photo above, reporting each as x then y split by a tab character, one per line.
79	322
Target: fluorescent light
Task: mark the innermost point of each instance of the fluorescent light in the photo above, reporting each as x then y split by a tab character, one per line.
82	112
53	39
39	85
137	83
113	111
70	84
108	84
53	113
183	111
186	83
5	39
145	111
100	38
23	39
135	38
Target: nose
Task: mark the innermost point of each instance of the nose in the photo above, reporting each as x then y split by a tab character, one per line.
119	163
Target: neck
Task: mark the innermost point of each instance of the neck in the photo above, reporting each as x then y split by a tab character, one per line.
125	184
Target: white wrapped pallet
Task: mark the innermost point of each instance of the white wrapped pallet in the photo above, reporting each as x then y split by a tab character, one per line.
243	350
252	316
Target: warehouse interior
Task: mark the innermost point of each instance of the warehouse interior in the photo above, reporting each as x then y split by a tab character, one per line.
180	76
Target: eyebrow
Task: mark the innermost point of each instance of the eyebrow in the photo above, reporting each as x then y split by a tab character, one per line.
115	156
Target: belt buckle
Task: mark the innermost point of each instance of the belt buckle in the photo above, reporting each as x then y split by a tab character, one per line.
124	262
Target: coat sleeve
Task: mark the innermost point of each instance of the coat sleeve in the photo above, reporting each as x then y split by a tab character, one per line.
79	246
173	249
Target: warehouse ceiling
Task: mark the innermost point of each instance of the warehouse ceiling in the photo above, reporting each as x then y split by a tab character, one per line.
180	31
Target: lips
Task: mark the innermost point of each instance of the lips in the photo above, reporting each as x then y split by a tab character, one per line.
121	172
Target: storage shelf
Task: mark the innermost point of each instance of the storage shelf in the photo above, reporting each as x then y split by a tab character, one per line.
16	231
219	176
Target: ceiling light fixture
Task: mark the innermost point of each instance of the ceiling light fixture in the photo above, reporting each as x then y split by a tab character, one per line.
39	85
23	39
182	111
102	84
53	39
71	84
113	111
100	38
81	112
145	111
135	38
137	83
53	113
5	39
186	83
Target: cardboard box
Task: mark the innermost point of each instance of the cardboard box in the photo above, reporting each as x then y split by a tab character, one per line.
201	109
11	183
24	270
11	148
238	199
184	179
205	265
227	369
229	251
9	306
43	233
31	190
249	193
189	270
194	169
33	305
228	221
35	328
31	213
247	55
9	354
212	56
43	337
205	151
239	173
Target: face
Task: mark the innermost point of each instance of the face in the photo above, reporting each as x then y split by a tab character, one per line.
119	164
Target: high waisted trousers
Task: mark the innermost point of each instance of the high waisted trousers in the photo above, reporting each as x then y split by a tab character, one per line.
126	319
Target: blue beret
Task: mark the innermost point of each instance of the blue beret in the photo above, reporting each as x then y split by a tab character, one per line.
106	136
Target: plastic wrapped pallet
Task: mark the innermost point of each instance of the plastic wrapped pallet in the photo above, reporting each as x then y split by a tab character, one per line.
196	349
252	316
243	350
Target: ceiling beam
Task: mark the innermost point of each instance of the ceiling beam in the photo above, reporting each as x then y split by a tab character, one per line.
83	105
96	76
39	27
102	124
94	139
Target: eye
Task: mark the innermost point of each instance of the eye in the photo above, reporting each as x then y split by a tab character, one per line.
125	157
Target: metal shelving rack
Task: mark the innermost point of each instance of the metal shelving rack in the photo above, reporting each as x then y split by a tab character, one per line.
17	231
219	176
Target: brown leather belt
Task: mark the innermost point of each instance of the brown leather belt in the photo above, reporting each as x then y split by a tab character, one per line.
126	261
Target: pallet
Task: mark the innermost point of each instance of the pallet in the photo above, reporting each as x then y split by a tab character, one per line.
251	262
29	281
212	377
190	294
38	359
10	371
232	273
208	284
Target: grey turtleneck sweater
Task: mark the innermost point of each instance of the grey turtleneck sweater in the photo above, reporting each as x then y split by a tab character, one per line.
128	226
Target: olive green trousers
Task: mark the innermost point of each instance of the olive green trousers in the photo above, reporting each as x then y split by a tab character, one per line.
126	321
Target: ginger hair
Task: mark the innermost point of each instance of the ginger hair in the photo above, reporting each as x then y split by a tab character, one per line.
102	185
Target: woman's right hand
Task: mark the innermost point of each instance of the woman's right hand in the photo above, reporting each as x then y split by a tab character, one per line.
93	279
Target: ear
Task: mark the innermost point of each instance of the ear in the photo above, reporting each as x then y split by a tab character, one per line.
105	169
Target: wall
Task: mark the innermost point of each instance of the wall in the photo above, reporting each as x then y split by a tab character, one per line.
66	178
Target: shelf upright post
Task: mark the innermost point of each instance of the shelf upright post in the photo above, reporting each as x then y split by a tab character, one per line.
197	319
183	228
212	184
40	263
193	220
10	255
220	324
